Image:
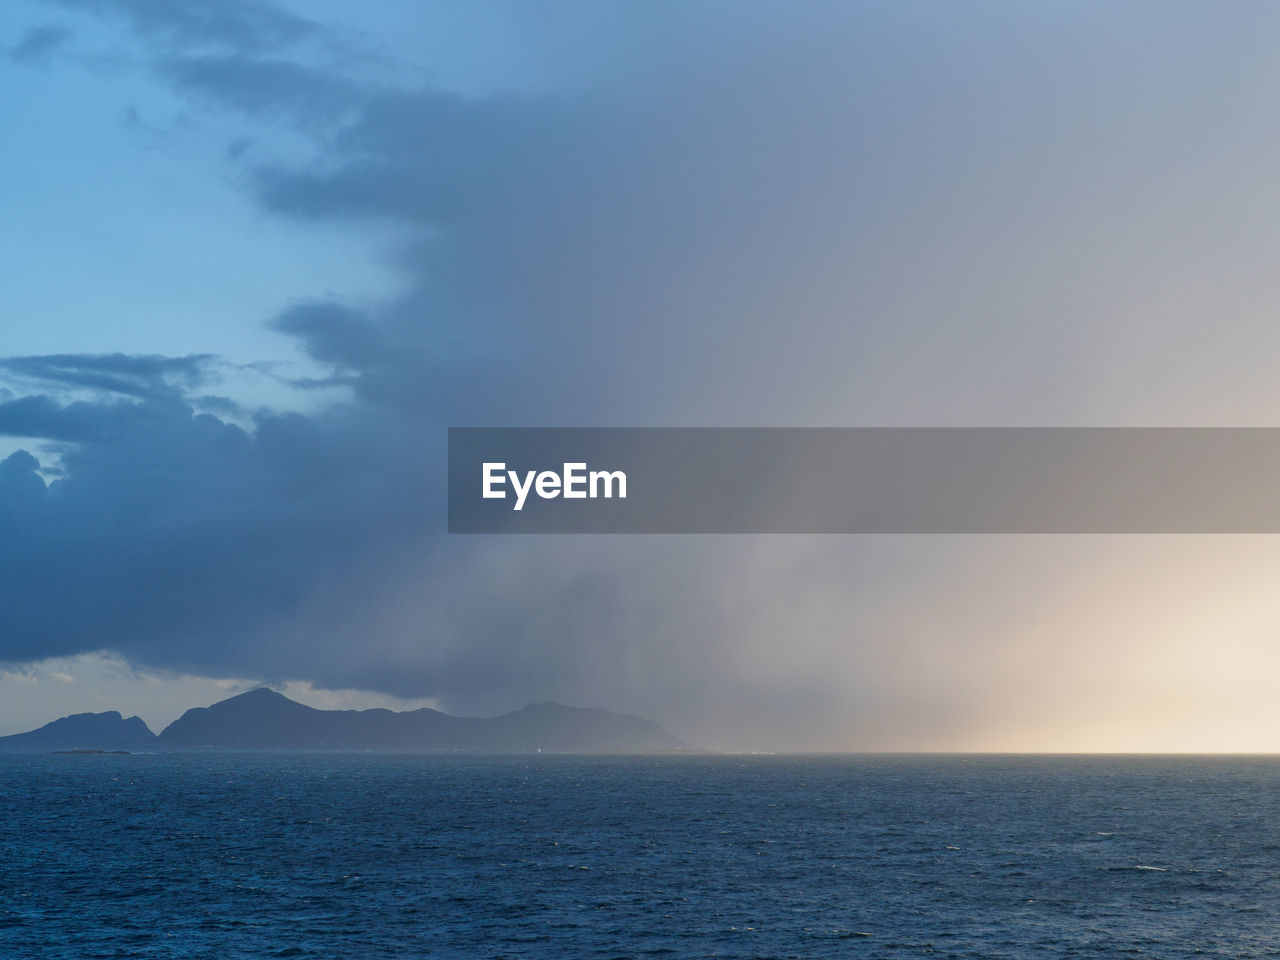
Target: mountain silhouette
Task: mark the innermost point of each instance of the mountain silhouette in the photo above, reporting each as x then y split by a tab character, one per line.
263	719
84	731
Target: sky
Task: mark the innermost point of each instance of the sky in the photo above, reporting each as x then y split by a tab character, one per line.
259	256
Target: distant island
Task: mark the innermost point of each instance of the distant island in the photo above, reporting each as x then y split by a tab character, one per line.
85	731
263	719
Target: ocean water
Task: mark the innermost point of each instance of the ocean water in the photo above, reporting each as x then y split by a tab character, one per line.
358	855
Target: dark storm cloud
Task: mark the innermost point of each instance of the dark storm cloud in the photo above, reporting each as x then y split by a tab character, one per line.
178	539
174	537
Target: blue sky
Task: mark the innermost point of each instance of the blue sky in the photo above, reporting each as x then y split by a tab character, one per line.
260	255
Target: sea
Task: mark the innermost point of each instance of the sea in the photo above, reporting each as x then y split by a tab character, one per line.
336	855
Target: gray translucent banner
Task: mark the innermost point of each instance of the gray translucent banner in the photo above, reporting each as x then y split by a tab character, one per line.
864	480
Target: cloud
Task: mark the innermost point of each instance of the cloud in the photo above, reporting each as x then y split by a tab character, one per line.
21	484
262	87
251	57
142	377
177	539
337	335
247	26
39	43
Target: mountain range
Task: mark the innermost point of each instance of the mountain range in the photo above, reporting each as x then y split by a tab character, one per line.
263	719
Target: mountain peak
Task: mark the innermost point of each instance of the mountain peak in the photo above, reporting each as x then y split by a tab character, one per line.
260	694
